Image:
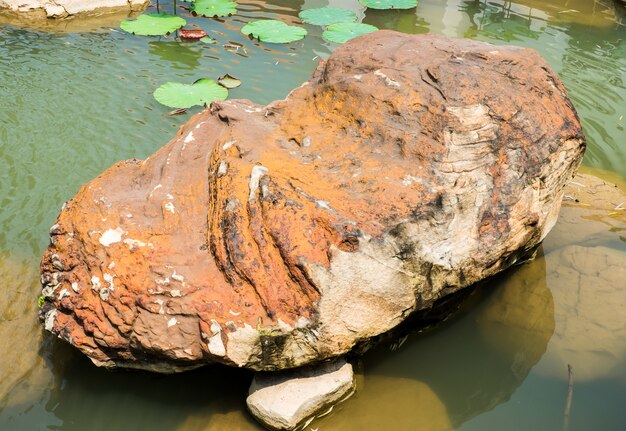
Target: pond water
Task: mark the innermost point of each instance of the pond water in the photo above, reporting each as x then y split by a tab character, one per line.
73	103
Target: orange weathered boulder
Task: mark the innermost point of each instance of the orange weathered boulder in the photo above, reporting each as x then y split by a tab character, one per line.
269	237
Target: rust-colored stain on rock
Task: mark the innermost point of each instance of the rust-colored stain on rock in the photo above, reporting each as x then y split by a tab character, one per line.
269	237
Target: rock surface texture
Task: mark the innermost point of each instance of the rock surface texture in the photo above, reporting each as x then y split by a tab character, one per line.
65	8
283	400
269	237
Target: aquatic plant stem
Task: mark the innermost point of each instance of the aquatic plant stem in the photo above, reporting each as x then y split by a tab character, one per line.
570	394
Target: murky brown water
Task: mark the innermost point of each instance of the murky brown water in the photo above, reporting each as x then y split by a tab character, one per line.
71	104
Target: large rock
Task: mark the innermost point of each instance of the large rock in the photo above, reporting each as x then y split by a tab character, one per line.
65	8
269	237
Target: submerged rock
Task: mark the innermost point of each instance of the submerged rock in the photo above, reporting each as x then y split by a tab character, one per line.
65	8
283	400
270	237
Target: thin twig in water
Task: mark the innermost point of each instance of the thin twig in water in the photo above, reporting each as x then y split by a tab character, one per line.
570	394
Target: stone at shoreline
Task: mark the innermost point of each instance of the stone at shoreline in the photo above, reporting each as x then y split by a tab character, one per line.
65	8
285	399
271	237
593	213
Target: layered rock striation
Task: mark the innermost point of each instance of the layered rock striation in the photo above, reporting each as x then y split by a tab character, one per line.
270	237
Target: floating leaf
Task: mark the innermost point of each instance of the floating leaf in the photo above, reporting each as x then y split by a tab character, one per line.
228	81
208	40
273	31
177	95
344	31
327	15
389	4
211	8
191	34
153	24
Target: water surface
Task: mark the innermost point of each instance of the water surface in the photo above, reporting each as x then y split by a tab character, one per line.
73	103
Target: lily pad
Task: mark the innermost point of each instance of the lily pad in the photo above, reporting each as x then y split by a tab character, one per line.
326	15
389	4
228	81
213	8
209	40
344	31
153	24
273	31
177	95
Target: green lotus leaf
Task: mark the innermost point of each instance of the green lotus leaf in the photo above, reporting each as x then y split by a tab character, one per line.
341	32
389	4
211	8
327	15
153	24
177	95
209	40
273	31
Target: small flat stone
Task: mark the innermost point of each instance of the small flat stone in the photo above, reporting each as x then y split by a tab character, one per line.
285	399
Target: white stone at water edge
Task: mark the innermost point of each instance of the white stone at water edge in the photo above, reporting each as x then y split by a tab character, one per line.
283	400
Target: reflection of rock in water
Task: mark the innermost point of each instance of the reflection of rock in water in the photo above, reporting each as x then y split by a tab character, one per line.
470	363
589	287
520	313
586	260
235	420
82	23
385	402
22	370
88	398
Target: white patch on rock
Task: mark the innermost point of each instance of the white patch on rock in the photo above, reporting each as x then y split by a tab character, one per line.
177	277
175	293
49	320
302	322
243	343
63	293
223	169
162	281
75	287
95	283
216	345
172	322
158	186
170	207
111	236
109	279
255	176
104	293
363	294
228	144
322	204
189	138
215	327
134	243
159	302
407	180
388	81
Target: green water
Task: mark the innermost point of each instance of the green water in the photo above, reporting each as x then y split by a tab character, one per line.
72	104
